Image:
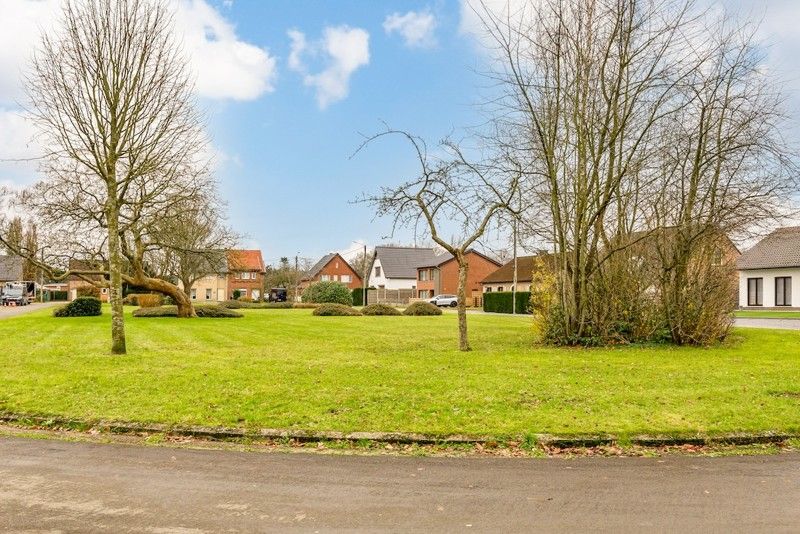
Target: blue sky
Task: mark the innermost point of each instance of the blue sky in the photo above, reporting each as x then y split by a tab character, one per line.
290	86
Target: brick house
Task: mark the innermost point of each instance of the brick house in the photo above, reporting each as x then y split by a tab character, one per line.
334	268
502	279
441	276
245	273
75	282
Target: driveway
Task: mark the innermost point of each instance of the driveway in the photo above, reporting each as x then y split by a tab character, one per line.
13	311
89	487
781	324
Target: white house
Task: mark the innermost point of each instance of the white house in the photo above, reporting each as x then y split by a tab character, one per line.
769	273
396	267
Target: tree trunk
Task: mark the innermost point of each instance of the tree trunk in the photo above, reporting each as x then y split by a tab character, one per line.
463	340
115	274
184	303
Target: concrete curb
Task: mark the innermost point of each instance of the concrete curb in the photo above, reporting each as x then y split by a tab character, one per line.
303	436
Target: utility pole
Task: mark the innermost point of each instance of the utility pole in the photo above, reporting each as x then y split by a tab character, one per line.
514	285
364	279
296	276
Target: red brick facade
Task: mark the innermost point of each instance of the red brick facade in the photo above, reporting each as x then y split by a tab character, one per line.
443	279
245	273
336	268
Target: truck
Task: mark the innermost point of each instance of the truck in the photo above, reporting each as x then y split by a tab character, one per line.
15	294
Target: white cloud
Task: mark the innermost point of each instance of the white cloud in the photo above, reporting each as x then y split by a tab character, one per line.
226	66
416	28
341	50
473	10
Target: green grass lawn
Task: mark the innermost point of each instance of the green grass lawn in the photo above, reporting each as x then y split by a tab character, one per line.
288	369
757	314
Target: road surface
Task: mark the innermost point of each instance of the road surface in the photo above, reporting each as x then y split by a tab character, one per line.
780	324
88	487
13	311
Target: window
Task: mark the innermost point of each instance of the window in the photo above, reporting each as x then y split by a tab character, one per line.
243	292
208	294
755	291
325	277
377	271
423	275
194	294
499	288
104	290
783	291
488	289
345	279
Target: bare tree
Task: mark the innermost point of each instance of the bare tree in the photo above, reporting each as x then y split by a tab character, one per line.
448	194
603	99
112	98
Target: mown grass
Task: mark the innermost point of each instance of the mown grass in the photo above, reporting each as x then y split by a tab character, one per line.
289	369
766	314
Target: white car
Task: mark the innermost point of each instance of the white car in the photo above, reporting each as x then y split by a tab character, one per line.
445	300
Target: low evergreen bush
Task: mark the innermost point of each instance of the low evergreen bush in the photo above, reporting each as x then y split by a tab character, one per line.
80	307
201	311
380	309
422	308
332	309
238	304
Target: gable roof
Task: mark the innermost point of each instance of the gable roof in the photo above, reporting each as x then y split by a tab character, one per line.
525	265
11	268
245	260
779	249
323	261
402	262
441	259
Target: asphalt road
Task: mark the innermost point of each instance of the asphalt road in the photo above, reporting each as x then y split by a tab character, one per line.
13	311
85	487
780	324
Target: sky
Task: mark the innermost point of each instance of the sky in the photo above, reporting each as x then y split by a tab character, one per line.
290	87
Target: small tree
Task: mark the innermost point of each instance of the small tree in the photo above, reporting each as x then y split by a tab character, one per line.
450	192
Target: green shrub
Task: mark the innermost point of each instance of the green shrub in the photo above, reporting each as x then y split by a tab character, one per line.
80	307
88	291
500	302
328	292
304	305
380	309
232	304
237	304
422	308
236	294
331	309
201	311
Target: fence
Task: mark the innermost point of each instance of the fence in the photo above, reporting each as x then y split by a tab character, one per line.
389	296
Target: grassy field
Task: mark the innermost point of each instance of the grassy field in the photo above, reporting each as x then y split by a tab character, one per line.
288	369
756	314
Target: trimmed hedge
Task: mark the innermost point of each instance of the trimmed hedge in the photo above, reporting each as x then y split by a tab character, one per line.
422	308
500	302
201	311
328	292
150	300
238	304
380	309
332	309
80	307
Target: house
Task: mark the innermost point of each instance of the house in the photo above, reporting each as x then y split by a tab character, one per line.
245	273
502	279
440	276
332	267
212	287
11	269
769	273
75	282
395	268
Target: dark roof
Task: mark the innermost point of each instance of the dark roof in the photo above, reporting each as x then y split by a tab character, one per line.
11	268
779	249
402	262
525	266
446	256
323	261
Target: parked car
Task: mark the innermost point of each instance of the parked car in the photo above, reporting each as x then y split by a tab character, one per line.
15	294
445	300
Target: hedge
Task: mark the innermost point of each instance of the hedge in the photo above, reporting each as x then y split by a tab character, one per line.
380	309
328	292
333	309
80	307
501	302
201	311
422	308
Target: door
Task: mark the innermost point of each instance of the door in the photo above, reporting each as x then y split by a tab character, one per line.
220	295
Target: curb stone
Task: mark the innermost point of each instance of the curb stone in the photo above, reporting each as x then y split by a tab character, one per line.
547	440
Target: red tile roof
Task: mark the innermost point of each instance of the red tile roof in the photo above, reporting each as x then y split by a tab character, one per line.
245	260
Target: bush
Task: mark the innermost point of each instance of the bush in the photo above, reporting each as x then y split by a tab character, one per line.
80	307
380	309
232	304
328	292
201	311
304	305
88	291
237	304
331	309
150	300
422	308
501	302
236	294
131	299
